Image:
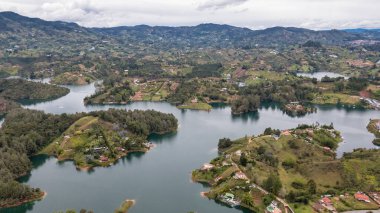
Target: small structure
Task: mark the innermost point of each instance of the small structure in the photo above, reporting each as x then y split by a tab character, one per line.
120	149
229	198
325	200
207	167
240	176
273	208
360	196
217	179
194	101
103	158
318	207
375	196
285	132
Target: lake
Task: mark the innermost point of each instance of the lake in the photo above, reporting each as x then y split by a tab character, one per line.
320	75
160	180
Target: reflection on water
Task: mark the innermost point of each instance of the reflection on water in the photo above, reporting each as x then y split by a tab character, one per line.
320	75
160	179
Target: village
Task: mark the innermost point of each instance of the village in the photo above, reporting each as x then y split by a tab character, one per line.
234	184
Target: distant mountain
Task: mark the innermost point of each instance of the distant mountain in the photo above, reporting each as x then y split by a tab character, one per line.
361	30
367	33
33	32
25	32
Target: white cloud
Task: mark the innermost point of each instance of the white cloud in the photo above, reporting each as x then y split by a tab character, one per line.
314	14
219	4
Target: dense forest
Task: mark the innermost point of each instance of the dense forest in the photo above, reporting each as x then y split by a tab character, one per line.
26	132
281	92
114	89
19	89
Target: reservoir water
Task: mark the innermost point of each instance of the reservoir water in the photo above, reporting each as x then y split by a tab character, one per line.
320	75
160	180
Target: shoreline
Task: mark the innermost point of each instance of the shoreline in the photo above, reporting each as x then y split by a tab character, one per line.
21	202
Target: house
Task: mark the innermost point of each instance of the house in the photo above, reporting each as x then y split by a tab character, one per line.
207	167
218	179
325	201
230	199
240	176
360	196
318	207
241	84
285	132
103	158
273	208
194	101
229	196
327	148
120	149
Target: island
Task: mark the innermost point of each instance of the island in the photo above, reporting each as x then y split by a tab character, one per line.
374	127
90	139
101	138
24	90
14	91
125	206
292	170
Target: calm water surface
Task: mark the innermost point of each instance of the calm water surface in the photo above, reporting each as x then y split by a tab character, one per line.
160	180
320	75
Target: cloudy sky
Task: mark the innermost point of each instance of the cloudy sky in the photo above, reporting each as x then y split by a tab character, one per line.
254	14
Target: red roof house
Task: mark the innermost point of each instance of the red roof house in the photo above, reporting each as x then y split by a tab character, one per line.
362	197
326	201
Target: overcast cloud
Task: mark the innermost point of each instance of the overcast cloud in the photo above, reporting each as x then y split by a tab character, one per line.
254	14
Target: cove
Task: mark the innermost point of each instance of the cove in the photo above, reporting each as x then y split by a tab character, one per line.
160	180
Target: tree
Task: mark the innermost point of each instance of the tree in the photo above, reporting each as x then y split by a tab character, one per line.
273	184
243	159
312	187
247	199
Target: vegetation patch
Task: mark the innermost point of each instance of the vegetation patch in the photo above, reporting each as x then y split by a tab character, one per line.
292	168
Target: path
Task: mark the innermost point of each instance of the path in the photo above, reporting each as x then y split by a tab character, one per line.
283	202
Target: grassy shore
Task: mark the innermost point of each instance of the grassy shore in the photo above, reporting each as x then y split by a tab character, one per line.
336	98
196	106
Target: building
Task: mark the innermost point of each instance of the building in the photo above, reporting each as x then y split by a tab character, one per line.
240	176
207	167
103	158
273	208
360	196
326	201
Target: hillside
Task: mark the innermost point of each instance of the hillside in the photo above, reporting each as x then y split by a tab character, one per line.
295	167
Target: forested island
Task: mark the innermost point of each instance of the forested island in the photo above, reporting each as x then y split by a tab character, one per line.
293	168
12	91
374	128
27	132
20	89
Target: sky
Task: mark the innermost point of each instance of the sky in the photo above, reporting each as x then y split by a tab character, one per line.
254	14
